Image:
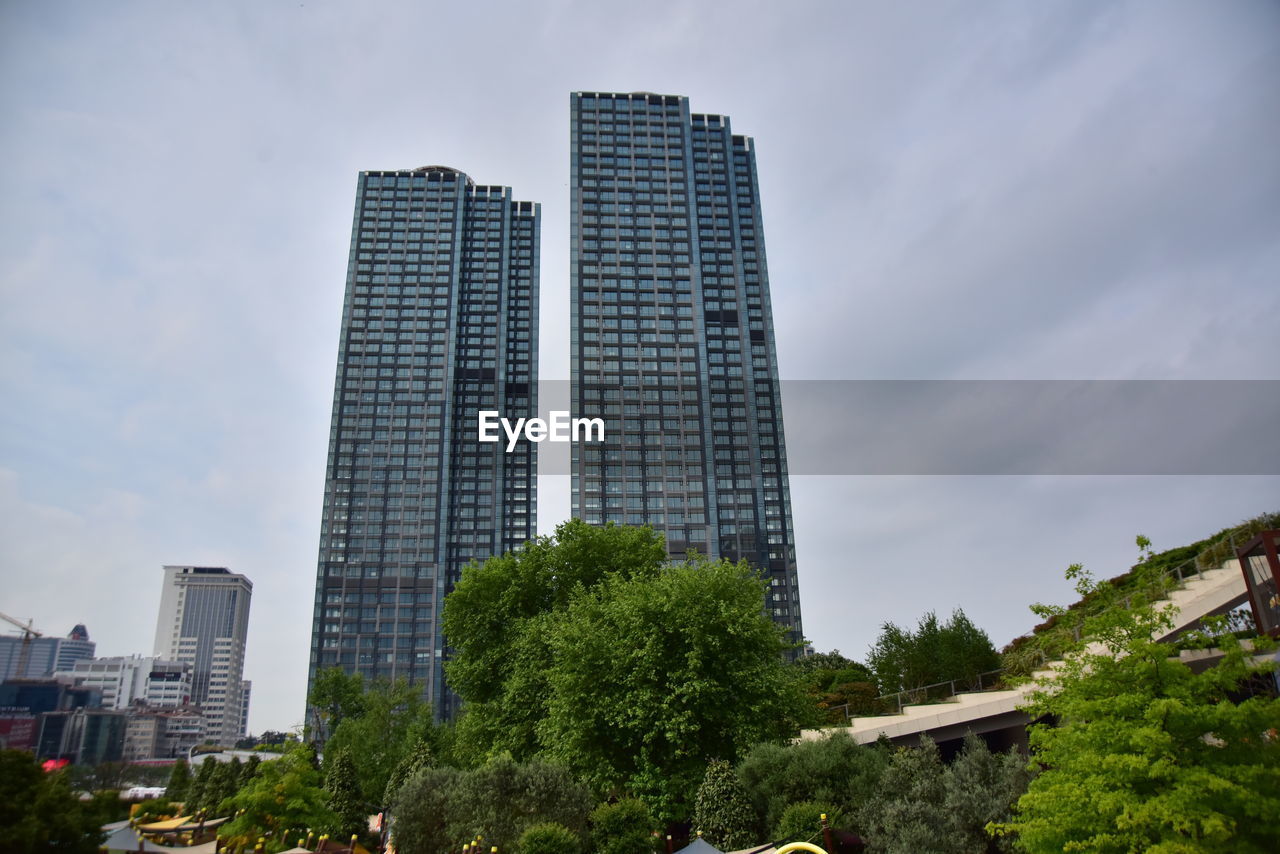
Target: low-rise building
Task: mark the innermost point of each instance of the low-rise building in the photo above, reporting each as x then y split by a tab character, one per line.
128	679
162	733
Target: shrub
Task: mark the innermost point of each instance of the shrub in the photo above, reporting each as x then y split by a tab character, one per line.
802	822
549	838
625	827
835	770
156	809
438	808
723	812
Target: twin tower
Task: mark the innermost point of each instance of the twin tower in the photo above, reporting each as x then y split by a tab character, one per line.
672	346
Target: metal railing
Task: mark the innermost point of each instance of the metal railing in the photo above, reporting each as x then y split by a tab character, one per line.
1170	579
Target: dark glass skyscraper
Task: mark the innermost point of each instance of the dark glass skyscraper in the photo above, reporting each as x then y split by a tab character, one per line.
440	320
673	336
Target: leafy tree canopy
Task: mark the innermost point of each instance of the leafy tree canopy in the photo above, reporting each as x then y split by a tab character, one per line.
1148	754
499	615
834	770
824	661
909	814
723	811
392	719
179	781
285	799
421	756
836	687
802	822
549	838
39	812
623	827
343	793
335	696
439	809
651	677
935	652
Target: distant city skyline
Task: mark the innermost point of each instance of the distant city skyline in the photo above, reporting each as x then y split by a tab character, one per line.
1002	191
40	654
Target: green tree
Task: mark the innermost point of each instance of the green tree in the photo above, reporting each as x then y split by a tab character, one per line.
652	677
156	809
227	782
623	827
282	802
439	808
982	787
202	786
499	616
421	756
903	660
421	809
723	811
922	805
908	814
549	838
104	807
343	795
214	784
836	687
835	770
179	781
502	798
38	811
392	718
823	661
802	822
334	697
248	771
1147	754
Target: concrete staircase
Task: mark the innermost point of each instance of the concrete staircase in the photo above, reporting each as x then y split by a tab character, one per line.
1209	592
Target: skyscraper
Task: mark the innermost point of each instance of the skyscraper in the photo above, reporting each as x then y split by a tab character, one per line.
672	336
439	322
204	621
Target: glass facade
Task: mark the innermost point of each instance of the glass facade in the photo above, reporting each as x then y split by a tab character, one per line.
672	337
439	321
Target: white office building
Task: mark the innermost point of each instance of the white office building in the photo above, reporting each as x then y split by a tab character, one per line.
204	622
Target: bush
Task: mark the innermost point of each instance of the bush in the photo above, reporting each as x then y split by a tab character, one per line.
549	838
38	811
625	827
723	812
835	770
157	809
421	811
802	822
439	808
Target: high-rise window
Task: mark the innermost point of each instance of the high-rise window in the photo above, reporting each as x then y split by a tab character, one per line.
672	336
439	321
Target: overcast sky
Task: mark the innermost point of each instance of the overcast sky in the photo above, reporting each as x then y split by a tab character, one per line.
977	191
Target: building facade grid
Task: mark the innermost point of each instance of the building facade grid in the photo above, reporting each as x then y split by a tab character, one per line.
439	321
204	622
672	337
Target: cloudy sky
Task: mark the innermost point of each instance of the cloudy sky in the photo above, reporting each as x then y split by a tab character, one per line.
951	191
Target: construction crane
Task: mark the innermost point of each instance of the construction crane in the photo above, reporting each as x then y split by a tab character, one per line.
24	657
